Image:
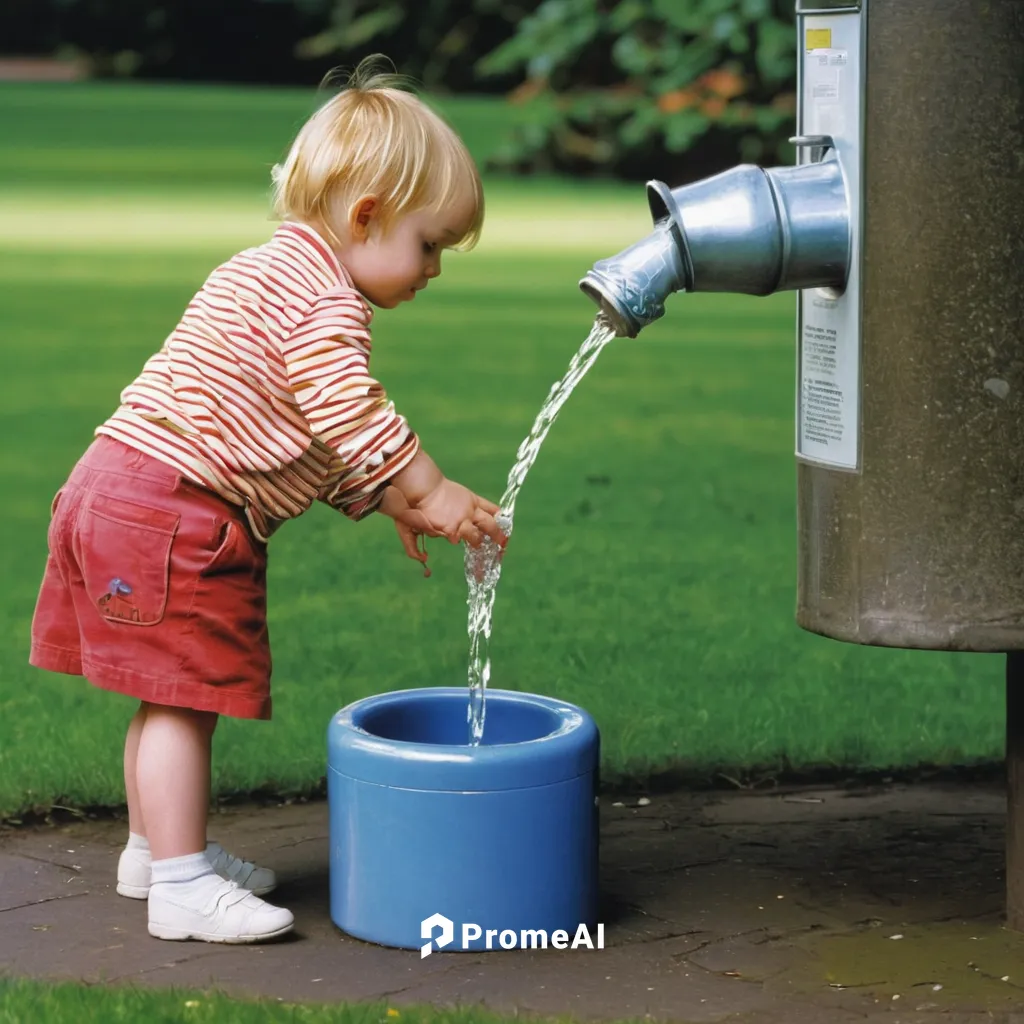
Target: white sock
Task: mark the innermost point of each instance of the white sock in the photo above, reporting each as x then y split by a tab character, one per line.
137	842
181	870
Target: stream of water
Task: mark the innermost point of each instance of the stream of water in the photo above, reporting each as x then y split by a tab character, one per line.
483	566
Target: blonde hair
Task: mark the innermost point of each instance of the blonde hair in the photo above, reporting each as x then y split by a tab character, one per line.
375	138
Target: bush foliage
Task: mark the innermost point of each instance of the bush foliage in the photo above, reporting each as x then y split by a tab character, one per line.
625	87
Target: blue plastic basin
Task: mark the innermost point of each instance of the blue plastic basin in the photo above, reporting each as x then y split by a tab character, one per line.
500	837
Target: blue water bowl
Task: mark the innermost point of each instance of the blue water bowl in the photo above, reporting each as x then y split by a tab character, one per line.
497	840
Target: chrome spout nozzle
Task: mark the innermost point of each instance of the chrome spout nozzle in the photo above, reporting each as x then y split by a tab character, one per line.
631	287
749	230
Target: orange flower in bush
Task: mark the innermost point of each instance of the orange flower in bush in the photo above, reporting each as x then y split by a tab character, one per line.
722	83
711	93
713	106
678	99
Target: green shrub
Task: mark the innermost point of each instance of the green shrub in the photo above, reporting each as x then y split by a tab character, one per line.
437	42
625	87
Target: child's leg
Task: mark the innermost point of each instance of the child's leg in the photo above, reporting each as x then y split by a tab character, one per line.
134	868
187	898
172	772
136	823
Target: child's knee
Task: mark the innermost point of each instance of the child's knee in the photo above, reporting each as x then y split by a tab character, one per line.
202	721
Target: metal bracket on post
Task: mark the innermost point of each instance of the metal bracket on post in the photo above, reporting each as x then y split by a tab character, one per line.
819	145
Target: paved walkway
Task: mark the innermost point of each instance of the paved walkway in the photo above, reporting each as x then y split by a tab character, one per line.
791	907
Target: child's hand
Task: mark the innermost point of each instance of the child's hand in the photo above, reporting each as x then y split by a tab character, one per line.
455	512
449	509
410	524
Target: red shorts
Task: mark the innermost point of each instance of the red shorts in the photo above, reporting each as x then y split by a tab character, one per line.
154	587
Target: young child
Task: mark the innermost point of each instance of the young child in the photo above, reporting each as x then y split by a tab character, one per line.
259	402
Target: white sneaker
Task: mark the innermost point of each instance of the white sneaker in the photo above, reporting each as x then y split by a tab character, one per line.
134	872
213	909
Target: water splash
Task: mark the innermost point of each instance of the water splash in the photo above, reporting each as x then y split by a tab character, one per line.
483	564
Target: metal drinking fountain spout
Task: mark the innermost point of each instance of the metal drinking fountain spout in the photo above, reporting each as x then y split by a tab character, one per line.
750	230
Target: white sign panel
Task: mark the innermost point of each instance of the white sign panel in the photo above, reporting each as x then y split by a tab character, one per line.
828	332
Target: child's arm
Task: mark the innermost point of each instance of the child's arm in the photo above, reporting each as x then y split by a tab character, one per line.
327	362
326	358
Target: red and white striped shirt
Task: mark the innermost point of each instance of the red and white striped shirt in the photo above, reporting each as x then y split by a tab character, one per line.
263	394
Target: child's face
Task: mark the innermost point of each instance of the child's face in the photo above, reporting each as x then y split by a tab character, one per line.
389	268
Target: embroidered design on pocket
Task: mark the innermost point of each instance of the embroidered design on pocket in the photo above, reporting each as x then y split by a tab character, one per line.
124	550
117	602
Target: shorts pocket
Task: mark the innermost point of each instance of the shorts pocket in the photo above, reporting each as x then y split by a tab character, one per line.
125	557
225	553
234	552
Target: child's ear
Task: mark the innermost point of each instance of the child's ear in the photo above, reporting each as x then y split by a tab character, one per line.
360	215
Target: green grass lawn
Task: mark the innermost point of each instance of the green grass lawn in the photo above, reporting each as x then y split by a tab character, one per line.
651	576
24	1001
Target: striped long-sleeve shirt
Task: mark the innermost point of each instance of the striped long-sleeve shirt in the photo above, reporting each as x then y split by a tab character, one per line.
263	393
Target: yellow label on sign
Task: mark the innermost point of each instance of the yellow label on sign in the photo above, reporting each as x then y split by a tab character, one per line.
819	39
